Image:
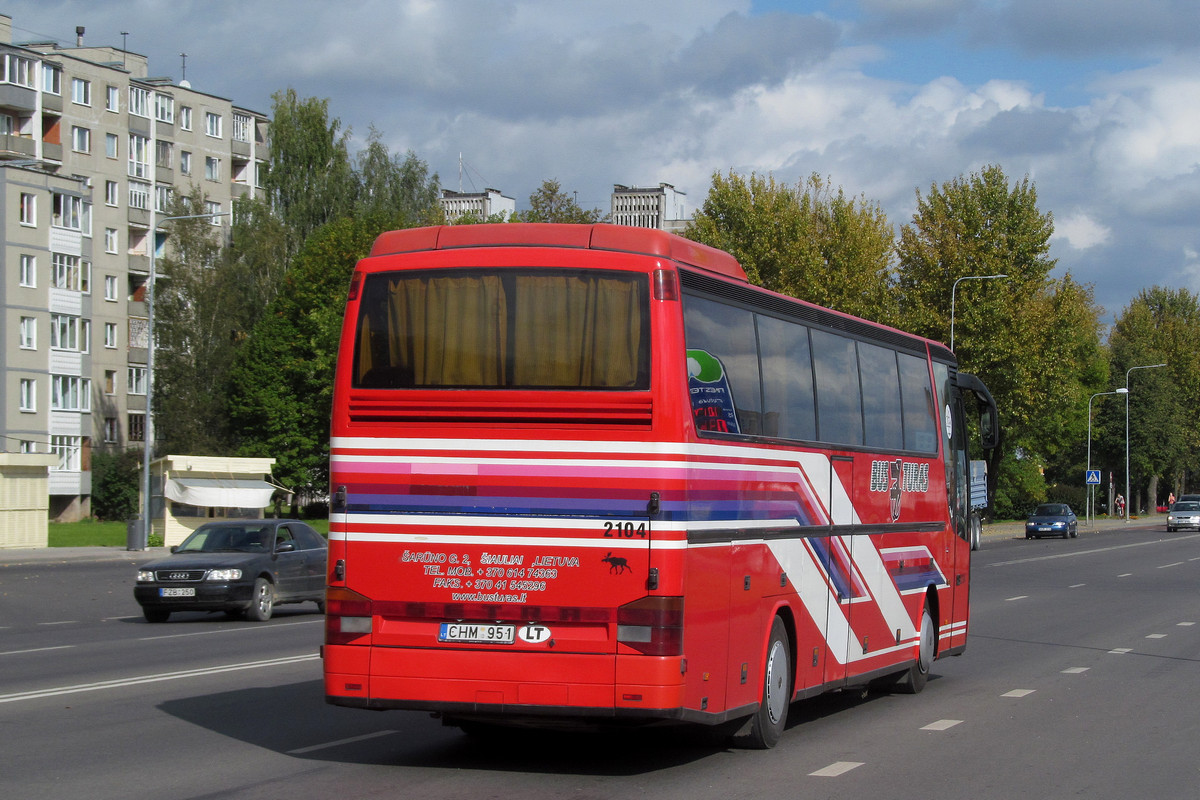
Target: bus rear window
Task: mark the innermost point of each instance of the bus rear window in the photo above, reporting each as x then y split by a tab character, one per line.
503	329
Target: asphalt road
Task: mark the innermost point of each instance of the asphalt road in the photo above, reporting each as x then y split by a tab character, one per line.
1080	679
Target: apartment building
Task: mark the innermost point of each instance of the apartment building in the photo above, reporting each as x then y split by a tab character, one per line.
662	207
92	150
485	204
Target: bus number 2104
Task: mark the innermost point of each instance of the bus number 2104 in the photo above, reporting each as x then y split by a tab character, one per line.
624	530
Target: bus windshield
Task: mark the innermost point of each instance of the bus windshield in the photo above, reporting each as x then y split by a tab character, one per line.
503	329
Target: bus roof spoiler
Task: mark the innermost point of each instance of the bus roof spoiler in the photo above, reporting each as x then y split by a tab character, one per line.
619	238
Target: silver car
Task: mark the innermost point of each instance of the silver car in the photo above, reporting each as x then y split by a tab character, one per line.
1184	514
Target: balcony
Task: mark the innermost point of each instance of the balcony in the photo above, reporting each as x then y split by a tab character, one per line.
12	144
18	98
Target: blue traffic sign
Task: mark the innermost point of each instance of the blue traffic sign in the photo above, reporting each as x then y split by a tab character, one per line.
1093	477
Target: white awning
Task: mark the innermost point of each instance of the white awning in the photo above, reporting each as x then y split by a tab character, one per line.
222	492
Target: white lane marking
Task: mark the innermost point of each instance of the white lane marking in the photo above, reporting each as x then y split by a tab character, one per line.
1075	670
1173	564
1125	575
166	676
942	724
836	768
1076	585
239	629
1120	651
1184	624
1157	636
36	650
1074	553
60	622
1018	597
1019	693
313	748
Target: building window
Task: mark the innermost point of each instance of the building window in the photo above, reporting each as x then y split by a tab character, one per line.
18	70
212	124
85	218
68	449
164	108
64	332
162	198
81	91
68	212
81	139
111	429
110	335
111	245
137	381
241	127
70	393
110	381
112	193
139	102
112	99
139	156
110	288
51	79
110	145
212	168
139	195
137	427
28	209
185	117
28	333
29	271
28	394
214	212
85	336
185	162
66	272
163	154
139	327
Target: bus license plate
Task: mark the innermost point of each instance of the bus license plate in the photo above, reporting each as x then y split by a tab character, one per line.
476	633
190	591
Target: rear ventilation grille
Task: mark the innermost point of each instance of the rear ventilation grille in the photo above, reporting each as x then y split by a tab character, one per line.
375	410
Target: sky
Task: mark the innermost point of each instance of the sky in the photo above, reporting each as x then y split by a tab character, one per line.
1097	102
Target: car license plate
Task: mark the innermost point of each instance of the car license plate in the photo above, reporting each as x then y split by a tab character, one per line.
476	633
1042	528
189	591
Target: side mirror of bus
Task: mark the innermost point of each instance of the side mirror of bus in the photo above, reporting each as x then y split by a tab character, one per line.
989	419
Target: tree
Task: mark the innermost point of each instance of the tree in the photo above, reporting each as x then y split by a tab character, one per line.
309	179
1032	339
390	185
115	477
1160	325
284	374
548	203
808	241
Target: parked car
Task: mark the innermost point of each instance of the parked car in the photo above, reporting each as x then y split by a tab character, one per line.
1052	519
239	566
1184	514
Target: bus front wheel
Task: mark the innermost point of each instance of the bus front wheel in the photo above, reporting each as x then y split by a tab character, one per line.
767	724
918	674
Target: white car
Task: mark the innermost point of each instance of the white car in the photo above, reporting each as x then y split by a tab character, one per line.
1184	514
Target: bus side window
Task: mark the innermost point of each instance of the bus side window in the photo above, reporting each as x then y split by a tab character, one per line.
728	333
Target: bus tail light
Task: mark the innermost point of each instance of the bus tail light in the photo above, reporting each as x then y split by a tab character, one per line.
666	284
652	625
347	617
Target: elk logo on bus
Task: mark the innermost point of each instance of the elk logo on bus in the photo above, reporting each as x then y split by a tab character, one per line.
898	477
712	399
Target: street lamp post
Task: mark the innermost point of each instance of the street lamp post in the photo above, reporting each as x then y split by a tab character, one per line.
1122	390
148	426
1131	369
954	290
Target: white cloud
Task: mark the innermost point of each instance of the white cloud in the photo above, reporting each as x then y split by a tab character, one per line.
1081	231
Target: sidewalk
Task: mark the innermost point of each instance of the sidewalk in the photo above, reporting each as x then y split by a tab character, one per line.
63	555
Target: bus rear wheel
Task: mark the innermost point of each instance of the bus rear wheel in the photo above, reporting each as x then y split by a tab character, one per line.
918	674
767	724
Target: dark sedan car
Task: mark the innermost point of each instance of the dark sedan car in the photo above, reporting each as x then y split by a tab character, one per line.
1052	519
239	566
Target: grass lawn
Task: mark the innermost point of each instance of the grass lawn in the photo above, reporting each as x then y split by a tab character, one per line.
94	533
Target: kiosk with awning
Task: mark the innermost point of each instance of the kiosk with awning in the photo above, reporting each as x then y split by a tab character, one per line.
190	490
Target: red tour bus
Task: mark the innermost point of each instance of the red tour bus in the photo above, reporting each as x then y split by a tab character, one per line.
589	473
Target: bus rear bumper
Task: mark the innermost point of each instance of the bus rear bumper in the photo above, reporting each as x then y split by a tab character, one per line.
487	682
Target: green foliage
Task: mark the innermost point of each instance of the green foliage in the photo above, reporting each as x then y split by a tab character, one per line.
549	203
808	241
115	477
1033	339
389	185
1021	486
284	374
